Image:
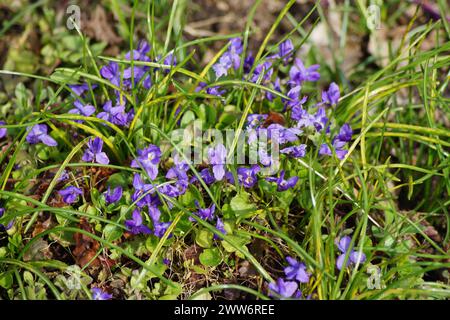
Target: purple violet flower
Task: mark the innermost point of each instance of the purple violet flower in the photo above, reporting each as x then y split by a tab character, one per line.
264	158
116	114
94	152
98	294
38	133
229	59
70	194
236	46
9	225
285	51
221	68
283	185
295	151
206	175
216	157
229	177
154	213
135	224
345	135
170	60
283	289
111	72
248	176
299	74
220	226
200	86
204	214
112	196
282	135
3	131
318	121
160	228
79	89
179	170
332	95
148	158
339	142
254	123
276	85
142	188
303	118
264	68
64	176
354	256
138	72
324	149
214	91
295	102
248	63
296	271
140	53
84	110
175	189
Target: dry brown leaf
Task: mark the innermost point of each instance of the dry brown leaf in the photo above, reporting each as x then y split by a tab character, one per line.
85	247
100	27
41	226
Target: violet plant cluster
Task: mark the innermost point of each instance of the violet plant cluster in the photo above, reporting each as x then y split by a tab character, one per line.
153	186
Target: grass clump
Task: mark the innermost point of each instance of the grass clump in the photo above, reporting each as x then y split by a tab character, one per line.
267	171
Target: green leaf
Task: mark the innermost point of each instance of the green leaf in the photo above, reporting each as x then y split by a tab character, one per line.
228	213
241	205
204	238
118	179
112	232
159	267
210	113
43	152
174	291
28	277
210	257
3	252
6	279
188	117
203	296
225	120
239	240
95	197
151	243
190	196
65	76
168	297
51	264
